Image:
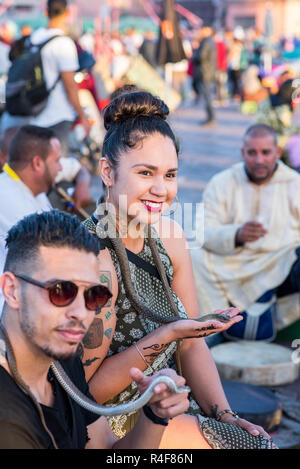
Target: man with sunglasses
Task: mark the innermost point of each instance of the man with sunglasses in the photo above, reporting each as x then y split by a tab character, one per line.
52	292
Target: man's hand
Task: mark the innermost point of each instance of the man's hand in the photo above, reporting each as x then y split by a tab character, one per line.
85	124
249	232
164	403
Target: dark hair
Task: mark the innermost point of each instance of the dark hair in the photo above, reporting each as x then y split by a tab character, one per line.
128	88
27	142
56	8
51	229
129	118
6	139
260	130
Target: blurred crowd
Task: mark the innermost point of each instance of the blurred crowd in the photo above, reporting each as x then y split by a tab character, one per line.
239	65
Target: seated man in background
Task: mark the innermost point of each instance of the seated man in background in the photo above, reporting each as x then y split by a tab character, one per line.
33	165
52	291
251	255
71	169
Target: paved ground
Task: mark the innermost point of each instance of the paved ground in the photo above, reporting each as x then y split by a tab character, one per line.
206	150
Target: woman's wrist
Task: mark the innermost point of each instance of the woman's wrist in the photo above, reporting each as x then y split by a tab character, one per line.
227	415
153	417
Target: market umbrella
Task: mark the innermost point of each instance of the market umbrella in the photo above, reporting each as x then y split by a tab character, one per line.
169	48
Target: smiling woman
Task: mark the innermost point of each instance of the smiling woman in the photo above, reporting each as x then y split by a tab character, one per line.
152	321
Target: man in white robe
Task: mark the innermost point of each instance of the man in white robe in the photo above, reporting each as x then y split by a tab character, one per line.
252	232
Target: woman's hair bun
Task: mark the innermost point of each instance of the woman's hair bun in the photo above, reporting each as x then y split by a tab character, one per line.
131	105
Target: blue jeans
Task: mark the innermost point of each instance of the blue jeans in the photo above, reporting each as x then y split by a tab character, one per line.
203	88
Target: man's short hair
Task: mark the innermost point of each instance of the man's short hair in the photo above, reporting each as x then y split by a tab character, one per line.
50	229
56	8
6	139
28	142
260	130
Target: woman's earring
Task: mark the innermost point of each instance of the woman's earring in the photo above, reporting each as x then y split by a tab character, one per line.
165	214
107	194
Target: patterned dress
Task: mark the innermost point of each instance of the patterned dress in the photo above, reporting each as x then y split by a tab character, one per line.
132	326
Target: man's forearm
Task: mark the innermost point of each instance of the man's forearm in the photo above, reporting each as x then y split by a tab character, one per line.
112	377
71	90
221	239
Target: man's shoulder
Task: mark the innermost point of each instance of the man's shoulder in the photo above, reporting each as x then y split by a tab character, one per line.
287	174
20	425
15	406
43	34
8	186
234	172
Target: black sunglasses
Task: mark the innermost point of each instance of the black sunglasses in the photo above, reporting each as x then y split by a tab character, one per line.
63	293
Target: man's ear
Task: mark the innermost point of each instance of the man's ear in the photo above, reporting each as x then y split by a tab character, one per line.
279	152
11	289
37	163
106	172
243	153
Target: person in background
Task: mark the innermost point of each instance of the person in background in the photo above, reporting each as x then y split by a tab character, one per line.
71	172
251	255
148	48
204	71
28	175
221	72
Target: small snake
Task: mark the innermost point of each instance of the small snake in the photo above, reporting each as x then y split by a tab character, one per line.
77	395
120	409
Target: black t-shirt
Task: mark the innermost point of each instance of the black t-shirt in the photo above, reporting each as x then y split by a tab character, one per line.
20	423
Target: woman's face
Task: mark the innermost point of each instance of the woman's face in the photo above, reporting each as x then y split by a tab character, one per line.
146	181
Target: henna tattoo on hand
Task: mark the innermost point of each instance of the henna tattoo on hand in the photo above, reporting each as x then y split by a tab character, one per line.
210	330
207	328
94	336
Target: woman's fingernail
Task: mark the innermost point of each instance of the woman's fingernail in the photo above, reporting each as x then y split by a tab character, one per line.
255	432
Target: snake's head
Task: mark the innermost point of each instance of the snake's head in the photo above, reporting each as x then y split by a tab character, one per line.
224	317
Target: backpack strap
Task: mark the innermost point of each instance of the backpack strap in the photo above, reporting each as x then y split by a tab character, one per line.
29	44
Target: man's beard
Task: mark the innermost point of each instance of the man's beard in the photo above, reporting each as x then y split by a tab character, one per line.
268	176
29	330
49	182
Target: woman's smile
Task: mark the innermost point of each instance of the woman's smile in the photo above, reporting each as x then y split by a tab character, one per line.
152	206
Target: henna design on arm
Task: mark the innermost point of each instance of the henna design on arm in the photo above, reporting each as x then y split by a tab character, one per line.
155	350
214	411
90	361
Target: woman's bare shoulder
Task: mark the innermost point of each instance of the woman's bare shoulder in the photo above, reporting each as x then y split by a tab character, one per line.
172	237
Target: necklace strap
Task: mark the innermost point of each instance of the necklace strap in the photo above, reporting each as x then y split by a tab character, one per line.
8	170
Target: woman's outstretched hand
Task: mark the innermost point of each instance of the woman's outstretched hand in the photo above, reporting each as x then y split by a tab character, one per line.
190	328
